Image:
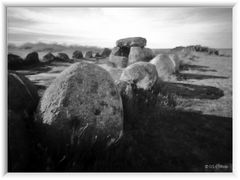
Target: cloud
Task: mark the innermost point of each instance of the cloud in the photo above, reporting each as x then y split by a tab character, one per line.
163	27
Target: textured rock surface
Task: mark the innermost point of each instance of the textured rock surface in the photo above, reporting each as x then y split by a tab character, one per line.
49	57
83	96
118	61
77	55
132	41
164	66
139	54
22	94
31	58
143	74
14	61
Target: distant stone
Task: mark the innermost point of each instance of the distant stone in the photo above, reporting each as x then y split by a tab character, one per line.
142	74
63	57
176	61
22	94
139	54
132	41
31	58
14	61
118	61
164	65
105	52
88	54
83	99
49	57
96	55
77	55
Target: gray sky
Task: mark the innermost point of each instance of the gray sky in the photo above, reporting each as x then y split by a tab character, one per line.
162	27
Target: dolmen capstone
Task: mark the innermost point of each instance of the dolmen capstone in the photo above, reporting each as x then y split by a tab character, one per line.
22	103
83	99
130	50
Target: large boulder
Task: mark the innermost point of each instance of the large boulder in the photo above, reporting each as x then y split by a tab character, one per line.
118	61
88	54
32	58
22	94
77	55
143	74
176	61
164	65
14	61
49	57
83	97
105	52
139	54
132	41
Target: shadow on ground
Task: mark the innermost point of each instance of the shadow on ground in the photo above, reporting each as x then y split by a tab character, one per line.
186	76
187	67
154	140
191	91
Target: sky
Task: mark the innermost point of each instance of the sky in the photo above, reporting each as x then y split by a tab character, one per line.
162	27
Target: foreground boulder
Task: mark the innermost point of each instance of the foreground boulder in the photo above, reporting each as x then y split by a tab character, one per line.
164	65
105	52
22	103
49	57
22	94
77	55
88	54
83	96
31	58
131	42
118	61
139	54
142	74
14	61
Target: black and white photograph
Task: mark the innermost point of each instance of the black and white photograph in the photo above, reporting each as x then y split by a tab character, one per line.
119	89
